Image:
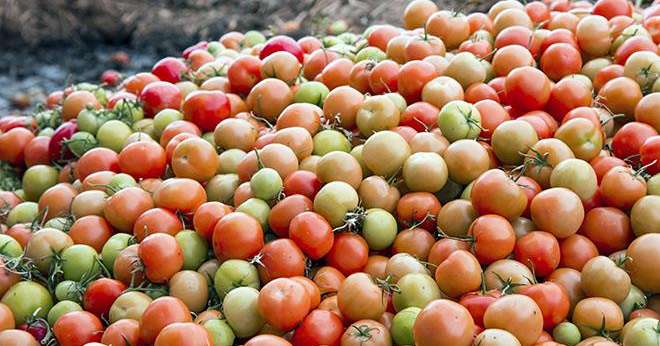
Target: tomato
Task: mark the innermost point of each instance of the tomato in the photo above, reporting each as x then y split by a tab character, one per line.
241	309
179	194
142	160
628	141
160	95
124	207
495	193
159	314
597	314
283	303
206	109
320	327
122	333
621	187
359	298
642	216
162	256
281	258
234	229
443	322
576	250
169	69
619	233
558	211
129	305
78	328
641	272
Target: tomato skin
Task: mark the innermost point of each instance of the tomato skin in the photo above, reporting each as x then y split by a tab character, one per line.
184	334
349	253
281	258
77	328
160	313
244	73
169	69
157	96
142	160
312	233
100	295
207	216
527	88
283	303
628	141
552	299
477	302
161	255
540	251
206	109
282	43
320	327
301	182
237	236
56	148
650	153
124	332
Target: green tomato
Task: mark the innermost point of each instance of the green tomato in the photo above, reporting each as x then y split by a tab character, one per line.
643	335
633	301
330	140
121	181
566	333
9	246
311	92
113	247
334	200
129	305
88	121
459	120
221	188
266	184
235	273
337	27
129	110
164	118
21	194
80	261
370	53
241	310
81	142
59	223
220	332
28	298
47	132
253	38
62	308
379	229
467	191
348	37
215	47
195	249
145	126
402	326
229	160
330	41
258	209
67	290
113	134
416	290
38	179
209	137
653	185
24	212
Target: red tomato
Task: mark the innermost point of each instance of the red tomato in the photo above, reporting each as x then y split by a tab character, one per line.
157	96
206	109
169	69
100	295
77	328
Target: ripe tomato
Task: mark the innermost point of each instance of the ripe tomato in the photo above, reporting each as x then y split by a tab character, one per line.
184	333
157	96
77	328
320	327
281	258
206	109
283	303
142	160
237	236
159	314
443	322
179	194
349	253
101	294
169	69
540	251
161	255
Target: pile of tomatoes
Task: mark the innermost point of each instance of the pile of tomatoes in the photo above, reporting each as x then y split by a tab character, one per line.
486	179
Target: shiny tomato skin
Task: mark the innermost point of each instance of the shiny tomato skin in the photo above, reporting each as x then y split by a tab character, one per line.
159	95
206	109
169	69
100	295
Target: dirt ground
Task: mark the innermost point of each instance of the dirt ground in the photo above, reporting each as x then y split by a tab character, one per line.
46	44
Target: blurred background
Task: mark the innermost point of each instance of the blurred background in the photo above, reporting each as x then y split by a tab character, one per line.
46	44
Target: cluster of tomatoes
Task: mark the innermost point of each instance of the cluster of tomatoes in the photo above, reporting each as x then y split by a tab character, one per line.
489	179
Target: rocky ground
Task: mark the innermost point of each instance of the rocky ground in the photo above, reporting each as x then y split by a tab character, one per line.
46	44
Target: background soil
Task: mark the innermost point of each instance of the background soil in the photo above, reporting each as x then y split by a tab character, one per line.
46	44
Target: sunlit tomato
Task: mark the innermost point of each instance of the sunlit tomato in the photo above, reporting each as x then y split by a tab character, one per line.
443	322
561	59
620	95
349	253
123	208
169	69
495	193
282	43
618	234
177	127
283	303
187	333
320	327
156	220
281	258
492	238
96	160
206	109
207	216
566	95
540	251
179	194
629	139
244	73
412	77
157	96
621	187
237	236
576	250
77	328
383	78
91	230
552	299
141	160
159	314
101	294
527	88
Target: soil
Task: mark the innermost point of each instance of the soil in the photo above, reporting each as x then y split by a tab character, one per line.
48	44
